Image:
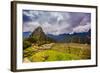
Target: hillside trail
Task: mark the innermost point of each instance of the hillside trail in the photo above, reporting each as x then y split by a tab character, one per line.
46	46
39	49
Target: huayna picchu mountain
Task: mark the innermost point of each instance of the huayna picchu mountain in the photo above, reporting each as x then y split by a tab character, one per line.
39	37
38	33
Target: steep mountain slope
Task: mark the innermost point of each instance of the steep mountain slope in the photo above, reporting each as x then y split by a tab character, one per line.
39	37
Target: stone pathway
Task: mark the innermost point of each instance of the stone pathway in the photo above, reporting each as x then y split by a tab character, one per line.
46	46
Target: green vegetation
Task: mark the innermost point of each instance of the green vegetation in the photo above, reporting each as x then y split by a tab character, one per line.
40	48
26	44
81	50
57	52
51	55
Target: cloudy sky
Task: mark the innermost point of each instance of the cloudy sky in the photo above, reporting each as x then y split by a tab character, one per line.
56	22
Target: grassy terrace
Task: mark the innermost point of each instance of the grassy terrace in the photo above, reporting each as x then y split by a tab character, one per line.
57	52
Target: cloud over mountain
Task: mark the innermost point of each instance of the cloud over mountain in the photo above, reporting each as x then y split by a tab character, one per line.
56	22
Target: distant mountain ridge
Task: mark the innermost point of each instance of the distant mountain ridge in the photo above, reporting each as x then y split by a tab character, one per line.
26	34
83	37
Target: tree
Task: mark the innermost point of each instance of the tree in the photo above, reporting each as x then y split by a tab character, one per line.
26	44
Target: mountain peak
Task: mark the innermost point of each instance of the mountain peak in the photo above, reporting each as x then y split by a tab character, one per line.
39	28
38	31
38	36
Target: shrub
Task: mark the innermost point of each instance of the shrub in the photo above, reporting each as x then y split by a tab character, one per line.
26	44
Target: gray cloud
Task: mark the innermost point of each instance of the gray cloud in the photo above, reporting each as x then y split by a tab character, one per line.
56	22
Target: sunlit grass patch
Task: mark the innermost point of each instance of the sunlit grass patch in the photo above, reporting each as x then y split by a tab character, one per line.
51	55
58	52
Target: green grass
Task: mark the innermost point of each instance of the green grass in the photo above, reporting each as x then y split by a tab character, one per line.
81	50
58	52
29	51
51	55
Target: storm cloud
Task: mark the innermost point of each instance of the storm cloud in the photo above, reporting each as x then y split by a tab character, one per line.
56	22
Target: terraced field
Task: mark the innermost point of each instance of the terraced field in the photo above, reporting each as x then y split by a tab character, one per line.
56	52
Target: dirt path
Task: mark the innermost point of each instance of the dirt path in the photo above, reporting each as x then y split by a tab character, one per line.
46	46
